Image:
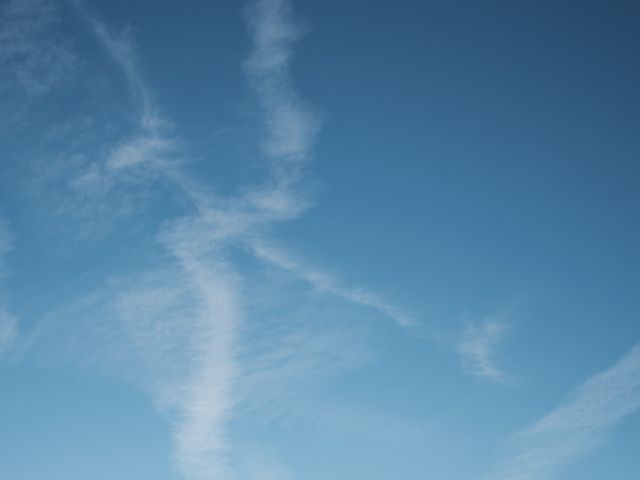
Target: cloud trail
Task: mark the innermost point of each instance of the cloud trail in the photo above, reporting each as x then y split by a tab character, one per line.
205	401
184	325
476	347
323	282
291	125
578	427
291	128
8	321
208	402
33	58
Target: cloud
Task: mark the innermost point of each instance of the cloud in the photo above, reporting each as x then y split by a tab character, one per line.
323	282
205	408
95	183
293	345
34	58
121	49
291	125
177	329
578	427
100	167
8	329
6	245
476	347
201	398
171	332
8	321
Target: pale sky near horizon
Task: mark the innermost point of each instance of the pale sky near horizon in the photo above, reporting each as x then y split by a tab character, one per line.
311	240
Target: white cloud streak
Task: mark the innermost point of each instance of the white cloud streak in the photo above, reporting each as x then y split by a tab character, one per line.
171	332
291	126
202	314
576	428
207	404
33	59
323	282
121	50
476	347
291	349
101	167
8	321
205	401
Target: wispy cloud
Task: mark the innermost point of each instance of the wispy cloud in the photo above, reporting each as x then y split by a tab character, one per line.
581	425
8	321
291	349
34	58
323	282
206	407
171	332
291	125
476	346
121	49
204	402
103	166
182	323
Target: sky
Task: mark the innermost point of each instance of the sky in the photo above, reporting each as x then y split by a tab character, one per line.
310	240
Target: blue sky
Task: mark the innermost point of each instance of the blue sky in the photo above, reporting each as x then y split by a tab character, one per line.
275	240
